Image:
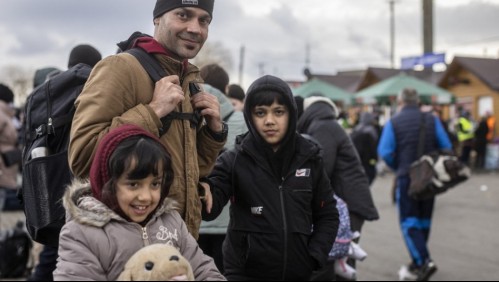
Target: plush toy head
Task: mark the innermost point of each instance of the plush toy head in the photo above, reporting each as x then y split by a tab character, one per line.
157	262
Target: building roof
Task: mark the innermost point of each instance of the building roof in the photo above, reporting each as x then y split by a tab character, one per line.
486	69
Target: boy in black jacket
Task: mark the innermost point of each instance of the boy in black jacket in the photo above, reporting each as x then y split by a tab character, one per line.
283	217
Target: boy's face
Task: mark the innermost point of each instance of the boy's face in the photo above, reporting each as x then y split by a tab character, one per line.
271	122
137	198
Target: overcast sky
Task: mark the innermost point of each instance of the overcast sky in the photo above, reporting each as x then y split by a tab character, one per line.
342	34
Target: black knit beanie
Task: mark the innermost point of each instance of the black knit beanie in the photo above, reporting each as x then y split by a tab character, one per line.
163	6
6	94
84	54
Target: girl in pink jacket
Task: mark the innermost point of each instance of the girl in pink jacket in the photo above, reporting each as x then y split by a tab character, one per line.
124	208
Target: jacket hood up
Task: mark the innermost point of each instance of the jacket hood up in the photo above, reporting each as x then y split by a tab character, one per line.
270	83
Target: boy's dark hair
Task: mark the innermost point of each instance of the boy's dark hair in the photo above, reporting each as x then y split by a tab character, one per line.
143	155
266	98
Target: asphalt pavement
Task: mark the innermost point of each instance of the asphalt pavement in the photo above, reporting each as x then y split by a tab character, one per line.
464	240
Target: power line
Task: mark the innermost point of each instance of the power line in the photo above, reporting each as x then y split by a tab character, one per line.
478	41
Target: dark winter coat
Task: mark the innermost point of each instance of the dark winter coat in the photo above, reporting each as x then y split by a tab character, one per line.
341	161
281	228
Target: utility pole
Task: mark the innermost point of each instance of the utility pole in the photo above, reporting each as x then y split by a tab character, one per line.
241	65
427	26
392	32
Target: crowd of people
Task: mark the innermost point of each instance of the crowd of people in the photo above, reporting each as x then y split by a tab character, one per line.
243	186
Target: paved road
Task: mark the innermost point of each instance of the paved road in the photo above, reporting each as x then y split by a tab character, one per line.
465	235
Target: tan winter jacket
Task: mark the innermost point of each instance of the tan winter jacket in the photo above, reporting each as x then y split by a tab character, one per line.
95	243
8	141
118	92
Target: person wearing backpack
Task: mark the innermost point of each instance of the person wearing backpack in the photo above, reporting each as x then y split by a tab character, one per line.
88	55
120	91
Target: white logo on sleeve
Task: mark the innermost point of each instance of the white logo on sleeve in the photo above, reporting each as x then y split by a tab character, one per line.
257	210
304	172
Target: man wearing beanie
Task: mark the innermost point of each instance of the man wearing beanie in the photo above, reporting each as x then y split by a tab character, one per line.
120	91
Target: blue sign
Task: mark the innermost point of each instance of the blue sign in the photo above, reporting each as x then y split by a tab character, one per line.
427	60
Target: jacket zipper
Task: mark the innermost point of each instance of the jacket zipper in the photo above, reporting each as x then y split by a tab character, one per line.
285	229
145	237
283	210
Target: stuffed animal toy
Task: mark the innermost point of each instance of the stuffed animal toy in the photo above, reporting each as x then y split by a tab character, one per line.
157	262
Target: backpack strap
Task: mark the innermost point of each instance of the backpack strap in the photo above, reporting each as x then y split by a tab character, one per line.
156	72
149	63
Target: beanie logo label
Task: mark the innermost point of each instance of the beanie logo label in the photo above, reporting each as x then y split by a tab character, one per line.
189	2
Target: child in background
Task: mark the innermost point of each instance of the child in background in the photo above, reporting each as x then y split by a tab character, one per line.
124	208
278	189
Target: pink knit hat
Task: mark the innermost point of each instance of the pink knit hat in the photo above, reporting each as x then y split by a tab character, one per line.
99	174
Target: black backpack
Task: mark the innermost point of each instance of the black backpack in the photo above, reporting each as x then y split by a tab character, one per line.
49	112
15	250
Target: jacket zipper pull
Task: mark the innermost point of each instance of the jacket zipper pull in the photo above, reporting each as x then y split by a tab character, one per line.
144	233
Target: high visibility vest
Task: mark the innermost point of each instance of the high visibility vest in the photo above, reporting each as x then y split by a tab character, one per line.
491	122
465	131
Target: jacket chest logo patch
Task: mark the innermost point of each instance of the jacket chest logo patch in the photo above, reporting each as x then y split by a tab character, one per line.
166	235
256	210
304	172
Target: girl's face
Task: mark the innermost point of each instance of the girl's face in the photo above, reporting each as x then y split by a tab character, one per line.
271	122
137	198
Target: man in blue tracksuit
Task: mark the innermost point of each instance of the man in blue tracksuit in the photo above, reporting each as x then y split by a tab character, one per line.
398	147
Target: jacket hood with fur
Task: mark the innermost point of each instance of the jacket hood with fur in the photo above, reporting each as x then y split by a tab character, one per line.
85	209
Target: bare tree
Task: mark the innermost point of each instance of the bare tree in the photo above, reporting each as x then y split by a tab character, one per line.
20	80
214	53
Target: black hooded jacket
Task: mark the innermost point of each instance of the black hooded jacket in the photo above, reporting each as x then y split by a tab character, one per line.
270	233
341	160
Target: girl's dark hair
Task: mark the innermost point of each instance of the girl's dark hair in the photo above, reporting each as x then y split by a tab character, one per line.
146	155
266	98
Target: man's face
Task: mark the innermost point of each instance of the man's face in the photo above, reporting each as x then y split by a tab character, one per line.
183	31
271	122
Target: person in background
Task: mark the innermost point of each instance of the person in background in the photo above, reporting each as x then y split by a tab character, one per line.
10	153
236	96
120	91
491	123
365	139
212	233
480	143
283	216
124	208
342	165
398	147
216	76
465	136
